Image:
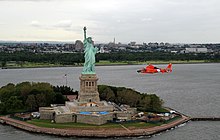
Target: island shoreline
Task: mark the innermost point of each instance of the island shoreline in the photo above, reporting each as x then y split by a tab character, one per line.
105	133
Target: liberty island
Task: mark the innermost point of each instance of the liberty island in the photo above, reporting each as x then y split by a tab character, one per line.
88	109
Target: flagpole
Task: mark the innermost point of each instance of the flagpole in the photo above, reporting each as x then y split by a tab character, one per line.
66	79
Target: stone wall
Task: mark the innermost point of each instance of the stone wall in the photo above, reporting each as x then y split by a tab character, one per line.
83	132
94	119
47	113
132	110
92	109
123	115
65	118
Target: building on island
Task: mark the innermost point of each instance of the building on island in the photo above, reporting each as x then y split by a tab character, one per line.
87	108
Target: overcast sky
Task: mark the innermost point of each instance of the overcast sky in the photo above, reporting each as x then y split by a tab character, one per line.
174	21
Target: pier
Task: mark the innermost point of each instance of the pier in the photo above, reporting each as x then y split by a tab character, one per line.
205	119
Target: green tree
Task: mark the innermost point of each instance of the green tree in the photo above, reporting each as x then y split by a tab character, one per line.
59	98
13	104
122	95
4	64
156	103
128	96
31	102
41	100
29	96
2	108
6	92
145	102
23	90
107	94
132	97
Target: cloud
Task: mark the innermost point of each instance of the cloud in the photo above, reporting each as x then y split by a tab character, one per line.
66	25
63	24
27	0
35	23
140	20
146	19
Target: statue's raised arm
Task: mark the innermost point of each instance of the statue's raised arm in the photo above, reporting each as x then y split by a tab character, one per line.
84	29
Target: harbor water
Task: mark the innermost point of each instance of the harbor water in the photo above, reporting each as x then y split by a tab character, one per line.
192	89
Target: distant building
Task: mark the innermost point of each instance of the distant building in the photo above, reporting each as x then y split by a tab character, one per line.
161	44
196	50
153	44
173	51
102	50
132	43
1	48
112	45
78	46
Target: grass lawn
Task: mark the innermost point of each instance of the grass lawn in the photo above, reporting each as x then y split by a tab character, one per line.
166	122
162	110
101	62
139	125
173	119
13	64
173	61
48	124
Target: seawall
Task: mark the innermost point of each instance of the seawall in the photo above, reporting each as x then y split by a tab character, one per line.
98	133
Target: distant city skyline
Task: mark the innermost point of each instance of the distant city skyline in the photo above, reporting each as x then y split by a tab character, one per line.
173	21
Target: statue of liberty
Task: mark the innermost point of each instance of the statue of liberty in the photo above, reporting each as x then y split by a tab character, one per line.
90	51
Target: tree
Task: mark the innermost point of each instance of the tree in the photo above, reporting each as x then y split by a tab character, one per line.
156	103
64	90
29	96
23	90
122	95
132	97
13	104
107	94
144	103
4	64
59	98
2	108
6	92
31	102
41	100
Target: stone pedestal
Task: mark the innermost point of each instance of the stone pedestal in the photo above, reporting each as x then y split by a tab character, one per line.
88	88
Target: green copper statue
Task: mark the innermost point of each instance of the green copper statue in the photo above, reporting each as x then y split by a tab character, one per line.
90	51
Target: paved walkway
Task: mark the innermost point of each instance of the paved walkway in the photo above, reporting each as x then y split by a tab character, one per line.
115	132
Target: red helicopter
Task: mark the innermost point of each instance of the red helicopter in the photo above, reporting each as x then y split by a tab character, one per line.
152	69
